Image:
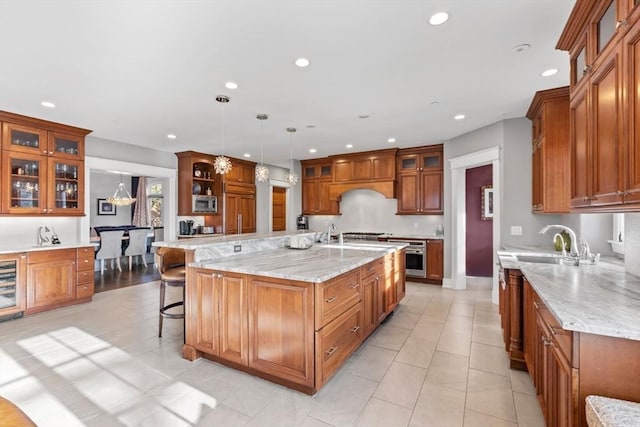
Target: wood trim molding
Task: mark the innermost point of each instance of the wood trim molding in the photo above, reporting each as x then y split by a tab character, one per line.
546	95
386	188
42	124
575	24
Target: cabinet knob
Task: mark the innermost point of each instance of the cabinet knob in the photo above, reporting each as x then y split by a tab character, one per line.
586	69
620	193
355	329
44	151
621	24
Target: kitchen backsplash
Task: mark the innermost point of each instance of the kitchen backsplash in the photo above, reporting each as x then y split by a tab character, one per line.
632	243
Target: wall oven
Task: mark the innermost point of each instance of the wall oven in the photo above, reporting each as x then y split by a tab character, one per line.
415	257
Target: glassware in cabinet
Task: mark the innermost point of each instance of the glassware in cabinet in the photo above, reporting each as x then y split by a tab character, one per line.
24	175
65	193
23	139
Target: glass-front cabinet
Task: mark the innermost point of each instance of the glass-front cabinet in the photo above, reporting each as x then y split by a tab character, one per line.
24	139
66	146
24	180
64	194
12	284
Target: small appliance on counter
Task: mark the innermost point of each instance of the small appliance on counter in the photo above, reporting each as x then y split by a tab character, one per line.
206	229
303	222
186	228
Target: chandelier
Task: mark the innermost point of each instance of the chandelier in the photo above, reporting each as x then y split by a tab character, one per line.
291	177
121	197
262	172
222	164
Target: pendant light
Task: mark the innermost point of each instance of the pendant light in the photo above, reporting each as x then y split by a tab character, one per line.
121	197
262	172
291	177
222	164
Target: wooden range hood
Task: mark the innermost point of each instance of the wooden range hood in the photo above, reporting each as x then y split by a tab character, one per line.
371	170
386	188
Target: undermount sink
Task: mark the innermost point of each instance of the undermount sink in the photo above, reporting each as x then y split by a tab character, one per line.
540	259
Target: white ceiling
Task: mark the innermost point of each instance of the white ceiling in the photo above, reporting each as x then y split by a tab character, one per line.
134	71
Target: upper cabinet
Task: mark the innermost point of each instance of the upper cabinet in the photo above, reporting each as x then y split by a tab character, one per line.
42	167
420	181
196	176
316	179
551	164
367	166
241	171
602	37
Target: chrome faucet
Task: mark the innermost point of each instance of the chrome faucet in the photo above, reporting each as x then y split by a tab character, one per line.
574	241
559	236
42	239
332	227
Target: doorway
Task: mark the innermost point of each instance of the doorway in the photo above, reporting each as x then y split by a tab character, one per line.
279	209
479	221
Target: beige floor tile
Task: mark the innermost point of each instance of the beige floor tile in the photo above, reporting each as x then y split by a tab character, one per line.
416	303
428	330
457	324
489	335
436	311
475	419
448	370
416	352
494	402
252	396
389	337
455	343
528	410
521	382
404	319
441	405
312	422
401	385
486	318
379	413
463	308
287	409
371	362
340	402
480	381
489	359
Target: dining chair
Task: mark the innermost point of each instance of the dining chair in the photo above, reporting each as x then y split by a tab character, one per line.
110	248
137	245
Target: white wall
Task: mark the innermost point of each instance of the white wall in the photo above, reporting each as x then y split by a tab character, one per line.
263	198
632	243
103	185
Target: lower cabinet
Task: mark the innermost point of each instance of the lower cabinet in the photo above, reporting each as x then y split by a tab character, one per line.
13	284
435	260
51	279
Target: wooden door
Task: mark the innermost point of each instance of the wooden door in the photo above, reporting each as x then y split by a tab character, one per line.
342	170
281	328
279	209
431	192
231	211
408	193
435	256
247	212
370	319
580	153
50	283
362	169
66	146
206	312
605	90
632	142
232	300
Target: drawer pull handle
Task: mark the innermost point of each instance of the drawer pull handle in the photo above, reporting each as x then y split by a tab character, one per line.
546	341
355	329
354	286
331	351
555	331
330	300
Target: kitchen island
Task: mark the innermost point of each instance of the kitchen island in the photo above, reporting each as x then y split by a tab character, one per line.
289	316
576	329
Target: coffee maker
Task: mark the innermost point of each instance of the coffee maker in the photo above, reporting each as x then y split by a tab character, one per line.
303	222
186	228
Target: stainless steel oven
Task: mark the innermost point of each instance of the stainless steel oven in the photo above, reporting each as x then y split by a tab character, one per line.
415	257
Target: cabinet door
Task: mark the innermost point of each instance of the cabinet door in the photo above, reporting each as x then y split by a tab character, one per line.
632	84
50	283
431	161
24	139
13	275
231	211
605	90
431	192
281	328
408	196
24	183
388	281
232	298
384	168
561	409
399	274
380	301
536	179
325	205
435	259
248	213
362	170
206	312
580	155
370	320
65	193
65	146
408	163
310	196
342	170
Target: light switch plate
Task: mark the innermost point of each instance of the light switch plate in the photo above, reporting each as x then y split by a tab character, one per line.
516	230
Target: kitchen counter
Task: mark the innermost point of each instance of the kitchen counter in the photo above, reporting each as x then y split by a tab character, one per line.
600	299
6	248
316	264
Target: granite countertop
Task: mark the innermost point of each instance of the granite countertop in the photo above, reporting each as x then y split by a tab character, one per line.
316	264
207	239
24	247
600	299
607	412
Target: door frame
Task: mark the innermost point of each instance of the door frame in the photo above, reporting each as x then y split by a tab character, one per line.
289	226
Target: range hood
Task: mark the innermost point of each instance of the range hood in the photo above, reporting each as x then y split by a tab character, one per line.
386	188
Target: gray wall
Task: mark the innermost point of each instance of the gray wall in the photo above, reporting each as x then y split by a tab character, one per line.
632	243
114	150
104	185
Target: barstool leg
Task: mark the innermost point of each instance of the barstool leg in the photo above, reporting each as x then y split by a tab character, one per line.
162	291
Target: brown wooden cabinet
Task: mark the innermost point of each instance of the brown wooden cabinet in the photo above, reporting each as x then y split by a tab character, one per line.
420	181
13	275
42	167
435	259
196	176
551	163
316	180
601	37
239	208
241	171
369	166
85	287
51	279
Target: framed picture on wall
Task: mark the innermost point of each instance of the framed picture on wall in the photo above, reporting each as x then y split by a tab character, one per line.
106	208
487	202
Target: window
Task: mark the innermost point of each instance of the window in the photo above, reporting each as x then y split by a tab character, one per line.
156	198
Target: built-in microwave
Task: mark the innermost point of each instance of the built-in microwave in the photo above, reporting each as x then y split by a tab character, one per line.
204	204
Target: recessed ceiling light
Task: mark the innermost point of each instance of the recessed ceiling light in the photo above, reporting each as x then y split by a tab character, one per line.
439	18
302	62
349	145
48	104
549	72
247	155
231	85
435	103
311	126
171	136
459	116
391	140
364	116
522	47
312	150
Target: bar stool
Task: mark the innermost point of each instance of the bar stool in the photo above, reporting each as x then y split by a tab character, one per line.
172	273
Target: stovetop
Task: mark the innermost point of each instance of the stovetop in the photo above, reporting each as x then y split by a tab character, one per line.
362	235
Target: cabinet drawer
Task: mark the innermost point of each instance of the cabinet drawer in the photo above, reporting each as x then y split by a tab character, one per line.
373	268
562	338
51	255
85	277
85	264
336	341
336	295
84	291
86	252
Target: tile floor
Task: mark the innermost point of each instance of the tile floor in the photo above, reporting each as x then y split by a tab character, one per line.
438	361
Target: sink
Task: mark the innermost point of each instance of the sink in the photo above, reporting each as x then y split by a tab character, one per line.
363	247
539	259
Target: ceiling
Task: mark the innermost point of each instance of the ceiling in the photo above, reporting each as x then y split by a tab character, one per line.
134	71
